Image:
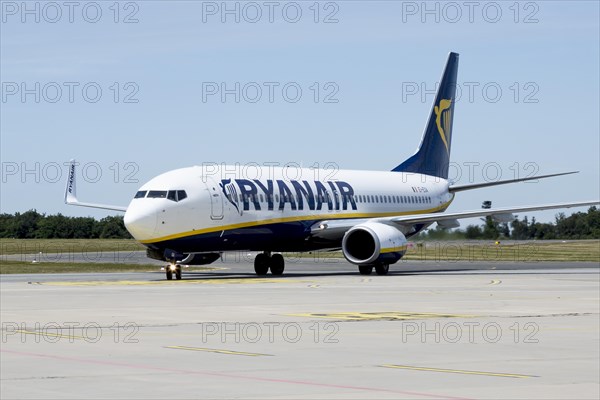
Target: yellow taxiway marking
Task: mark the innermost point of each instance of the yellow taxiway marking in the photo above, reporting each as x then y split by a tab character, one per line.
373	316
165	282
231	352
495	282
458	371
48	334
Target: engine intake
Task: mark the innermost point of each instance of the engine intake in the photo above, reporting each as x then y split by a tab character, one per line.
372	243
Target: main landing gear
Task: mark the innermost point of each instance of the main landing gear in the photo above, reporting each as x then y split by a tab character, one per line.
173	269
265	262
380	269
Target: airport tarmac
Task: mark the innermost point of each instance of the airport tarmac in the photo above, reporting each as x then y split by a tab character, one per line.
428	330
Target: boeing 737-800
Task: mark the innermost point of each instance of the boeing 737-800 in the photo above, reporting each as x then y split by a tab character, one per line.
190	216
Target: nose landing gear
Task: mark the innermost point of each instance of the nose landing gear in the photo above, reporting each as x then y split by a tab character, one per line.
173	269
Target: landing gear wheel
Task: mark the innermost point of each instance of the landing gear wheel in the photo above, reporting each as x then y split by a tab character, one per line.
169	273
365	269
277	264
178	272
261	264
382	269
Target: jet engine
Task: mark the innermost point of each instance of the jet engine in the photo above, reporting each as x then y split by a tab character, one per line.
373	243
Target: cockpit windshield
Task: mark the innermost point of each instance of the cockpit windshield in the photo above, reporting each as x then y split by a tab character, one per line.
157	194
173	195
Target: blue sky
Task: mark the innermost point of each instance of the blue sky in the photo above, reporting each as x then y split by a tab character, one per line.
533	68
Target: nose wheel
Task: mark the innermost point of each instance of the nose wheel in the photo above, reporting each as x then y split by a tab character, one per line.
265	262
173	269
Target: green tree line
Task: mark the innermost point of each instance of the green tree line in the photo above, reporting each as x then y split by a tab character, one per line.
579	225
33	225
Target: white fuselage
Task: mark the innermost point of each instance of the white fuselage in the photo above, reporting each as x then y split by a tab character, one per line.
196	201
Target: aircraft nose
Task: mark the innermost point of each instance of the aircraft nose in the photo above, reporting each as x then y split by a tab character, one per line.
140	223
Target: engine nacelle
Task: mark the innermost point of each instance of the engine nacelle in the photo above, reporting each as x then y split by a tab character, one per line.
372	243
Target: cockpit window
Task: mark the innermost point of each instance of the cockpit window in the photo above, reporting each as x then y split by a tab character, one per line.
173	195
157	194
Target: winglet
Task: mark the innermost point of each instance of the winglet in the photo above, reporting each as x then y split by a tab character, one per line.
71	189
71	192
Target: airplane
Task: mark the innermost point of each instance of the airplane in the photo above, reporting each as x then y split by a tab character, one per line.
190	216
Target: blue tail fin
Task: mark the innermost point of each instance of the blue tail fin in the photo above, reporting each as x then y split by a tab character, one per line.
433	155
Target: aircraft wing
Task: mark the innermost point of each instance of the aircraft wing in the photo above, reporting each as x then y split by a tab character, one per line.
501	212
71	193
332	228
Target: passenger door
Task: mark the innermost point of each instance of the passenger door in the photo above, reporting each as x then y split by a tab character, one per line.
216	199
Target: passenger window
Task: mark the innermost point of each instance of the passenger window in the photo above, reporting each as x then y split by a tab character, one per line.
181	194
262	199
172	195
140	194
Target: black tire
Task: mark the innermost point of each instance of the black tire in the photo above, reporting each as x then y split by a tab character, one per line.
277	264
382	269
178	272
169	273
365	269
261	264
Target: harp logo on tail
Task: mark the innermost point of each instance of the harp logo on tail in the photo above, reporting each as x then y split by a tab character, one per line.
443	121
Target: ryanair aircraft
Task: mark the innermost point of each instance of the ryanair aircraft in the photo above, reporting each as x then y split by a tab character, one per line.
190	216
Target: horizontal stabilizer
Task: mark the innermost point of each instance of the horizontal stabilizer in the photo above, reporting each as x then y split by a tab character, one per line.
459	188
